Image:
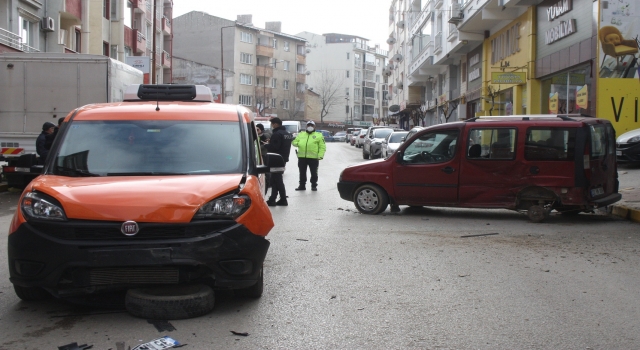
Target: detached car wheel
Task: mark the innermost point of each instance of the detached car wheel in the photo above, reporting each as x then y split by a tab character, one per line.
170	302
254	291
371	199
31	293
536	213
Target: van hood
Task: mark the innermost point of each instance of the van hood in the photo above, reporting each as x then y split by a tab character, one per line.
167	199
624	138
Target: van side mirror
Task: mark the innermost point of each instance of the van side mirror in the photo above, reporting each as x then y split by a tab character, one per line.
275	164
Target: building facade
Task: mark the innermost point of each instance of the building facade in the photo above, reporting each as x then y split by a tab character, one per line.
265	69
348	75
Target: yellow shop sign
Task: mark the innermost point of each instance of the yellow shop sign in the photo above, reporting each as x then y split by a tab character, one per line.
582	97
509	78
553	103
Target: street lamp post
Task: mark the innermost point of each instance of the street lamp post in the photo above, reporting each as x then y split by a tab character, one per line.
222	93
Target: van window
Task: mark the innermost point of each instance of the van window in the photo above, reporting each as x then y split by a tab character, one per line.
598	141
435	147
497	143
550	144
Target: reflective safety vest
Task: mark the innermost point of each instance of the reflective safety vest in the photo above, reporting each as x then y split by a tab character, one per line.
310	145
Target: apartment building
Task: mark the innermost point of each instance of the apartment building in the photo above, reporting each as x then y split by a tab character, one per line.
264	68
348	73
114	28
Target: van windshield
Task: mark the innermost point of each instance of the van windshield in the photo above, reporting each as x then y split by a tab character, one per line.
130	148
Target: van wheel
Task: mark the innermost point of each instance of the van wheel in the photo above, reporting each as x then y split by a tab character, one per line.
254	291
170	302
370	199
537	213
31	293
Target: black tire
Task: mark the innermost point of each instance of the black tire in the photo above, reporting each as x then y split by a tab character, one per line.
254	291
31	293
364	155
170	302
370	199
537	213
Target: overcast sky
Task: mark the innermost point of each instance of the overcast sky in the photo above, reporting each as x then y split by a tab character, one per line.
365	18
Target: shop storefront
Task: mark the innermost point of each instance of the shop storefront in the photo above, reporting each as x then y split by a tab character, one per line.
565	48
509	84
474	82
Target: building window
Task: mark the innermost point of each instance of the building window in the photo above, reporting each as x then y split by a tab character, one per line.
357	93
246	37
275	43
346	91
274	83
78	41
246	79
356	77
286	64
347	74
377	62
114	9
285	84
26	37
114	52
285	45
285	104
377	78
106	9
105	49
347	55
245	100
300	68
246	58
273	103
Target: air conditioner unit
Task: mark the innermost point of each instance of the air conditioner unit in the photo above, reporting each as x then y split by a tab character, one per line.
47	24
455	14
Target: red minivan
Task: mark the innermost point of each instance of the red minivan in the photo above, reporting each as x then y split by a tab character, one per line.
532	163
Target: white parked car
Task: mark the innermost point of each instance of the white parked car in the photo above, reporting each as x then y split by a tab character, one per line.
391	142
340	136
628	147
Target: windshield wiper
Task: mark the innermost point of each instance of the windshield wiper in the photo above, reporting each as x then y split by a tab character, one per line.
150	173
76	171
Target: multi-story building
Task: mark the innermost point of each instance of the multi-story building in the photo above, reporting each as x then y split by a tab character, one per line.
348	72
114	28
268	66
33	26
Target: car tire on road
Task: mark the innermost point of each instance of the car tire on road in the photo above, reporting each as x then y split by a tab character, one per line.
370	199
254	291
170	302
31	293
364	155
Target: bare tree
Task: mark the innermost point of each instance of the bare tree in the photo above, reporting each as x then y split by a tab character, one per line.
298	103
329	85
492	92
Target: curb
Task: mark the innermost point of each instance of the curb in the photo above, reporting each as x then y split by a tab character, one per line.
626	213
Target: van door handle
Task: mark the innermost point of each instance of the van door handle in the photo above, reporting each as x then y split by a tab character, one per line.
448	170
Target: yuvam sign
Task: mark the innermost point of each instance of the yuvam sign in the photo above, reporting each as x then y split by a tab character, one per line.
509	78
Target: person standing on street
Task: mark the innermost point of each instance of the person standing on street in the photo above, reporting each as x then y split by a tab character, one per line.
42	148
311	148
279	143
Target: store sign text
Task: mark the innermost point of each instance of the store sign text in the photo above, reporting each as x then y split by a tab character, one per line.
505	44
559	9
564	29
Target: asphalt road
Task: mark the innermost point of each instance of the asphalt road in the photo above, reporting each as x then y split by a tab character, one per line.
337	279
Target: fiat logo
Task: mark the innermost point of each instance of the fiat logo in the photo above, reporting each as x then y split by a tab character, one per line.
129	228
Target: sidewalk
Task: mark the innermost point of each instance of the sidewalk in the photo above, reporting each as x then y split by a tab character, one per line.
627	208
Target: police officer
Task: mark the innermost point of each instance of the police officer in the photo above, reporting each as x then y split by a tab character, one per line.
311	148
279	143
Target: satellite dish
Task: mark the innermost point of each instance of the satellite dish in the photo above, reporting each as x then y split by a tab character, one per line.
397	57
308	50
391	40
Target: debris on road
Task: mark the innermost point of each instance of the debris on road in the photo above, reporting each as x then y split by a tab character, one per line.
75	346
302	239
159	344
162	325
242	334
480	235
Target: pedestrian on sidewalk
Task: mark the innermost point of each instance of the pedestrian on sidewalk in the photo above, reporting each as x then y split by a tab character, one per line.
311	148
279	143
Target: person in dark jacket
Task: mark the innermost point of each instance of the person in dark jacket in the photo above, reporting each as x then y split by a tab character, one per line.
41	141
279	143
51	137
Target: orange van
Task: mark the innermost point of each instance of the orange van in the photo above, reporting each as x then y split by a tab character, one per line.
164	188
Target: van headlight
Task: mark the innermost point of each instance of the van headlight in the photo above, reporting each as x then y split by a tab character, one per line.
227	207
37	205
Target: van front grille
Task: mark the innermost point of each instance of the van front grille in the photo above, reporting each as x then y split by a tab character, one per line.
133	275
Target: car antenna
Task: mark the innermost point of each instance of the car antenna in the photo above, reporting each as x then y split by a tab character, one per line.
157	101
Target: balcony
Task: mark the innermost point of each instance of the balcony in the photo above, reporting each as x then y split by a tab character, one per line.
14	41
437	45
385	103
370	67
424	15
301	59
264	50
369	84
264	71
301	77
129	41
139	42
424	60
369	101
166	26
453	33
438	4
166	59
138	6
148	11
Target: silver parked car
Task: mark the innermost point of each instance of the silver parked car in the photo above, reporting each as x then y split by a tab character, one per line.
372	147
340	136
390	143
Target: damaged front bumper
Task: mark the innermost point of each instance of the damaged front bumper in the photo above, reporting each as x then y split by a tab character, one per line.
79	257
